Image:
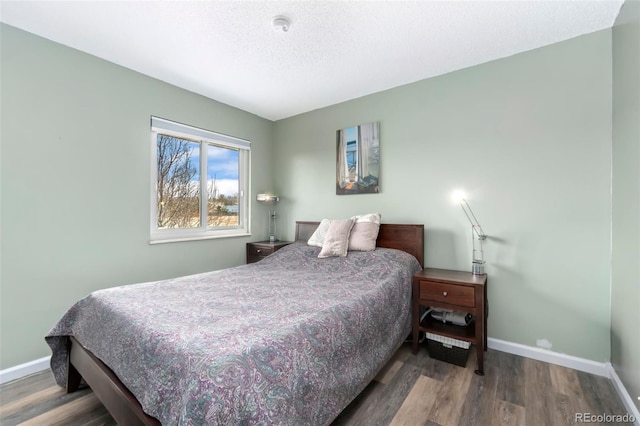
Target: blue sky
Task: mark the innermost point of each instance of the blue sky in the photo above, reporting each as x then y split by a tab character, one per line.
222	163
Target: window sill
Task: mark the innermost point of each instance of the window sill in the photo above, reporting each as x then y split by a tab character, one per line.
197	238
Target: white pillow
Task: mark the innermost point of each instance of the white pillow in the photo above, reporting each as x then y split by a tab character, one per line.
336	241
364	232
319	235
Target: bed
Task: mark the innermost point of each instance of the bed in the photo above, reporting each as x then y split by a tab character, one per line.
291	339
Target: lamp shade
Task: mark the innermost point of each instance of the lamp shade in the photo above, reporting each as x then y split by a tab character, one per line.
267	198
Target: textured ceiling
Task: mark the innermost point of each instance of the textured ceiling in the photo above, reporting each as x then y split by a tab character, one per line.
334	50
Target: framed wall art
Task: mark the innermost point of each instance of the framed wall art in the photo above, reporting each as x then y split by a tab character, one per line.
358	159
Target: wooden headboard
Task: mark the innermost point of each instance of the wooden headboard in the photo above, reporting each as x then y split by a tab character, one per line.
408	238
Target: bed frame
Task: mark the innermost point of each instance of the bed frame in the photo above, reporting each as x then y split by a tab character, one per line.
125	408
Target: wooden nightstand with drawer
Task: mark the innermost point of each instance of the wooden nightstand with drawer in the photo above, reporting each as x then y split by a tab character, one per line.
261	249
455	291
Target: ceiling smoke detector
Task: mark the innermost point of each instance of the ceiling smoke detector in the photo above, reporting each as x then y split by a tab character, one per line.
281	23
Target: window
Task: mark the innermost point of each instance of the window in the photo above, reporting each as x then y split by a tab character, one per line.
199	183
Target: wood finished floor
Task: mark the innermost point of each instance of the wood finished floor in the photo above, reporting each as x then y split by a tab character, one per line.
410	390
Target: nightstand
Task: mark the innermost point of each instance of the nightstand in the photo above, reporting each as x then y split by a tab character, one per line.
456	291
261	249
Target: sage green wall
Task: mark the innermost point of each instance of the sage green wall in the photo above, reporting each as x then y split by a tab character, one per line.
529	138
625	286
75	182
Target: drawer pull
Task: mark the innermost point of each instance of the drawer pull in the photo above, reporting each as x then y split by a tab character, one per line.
444	293
258	251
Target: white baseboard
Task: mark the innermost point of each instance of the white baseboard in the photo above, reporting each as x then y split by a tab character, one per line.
604	369
627	400
581	364
23	370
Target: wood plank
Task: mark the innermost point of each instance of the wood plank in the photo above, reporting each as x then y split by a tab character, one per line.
16	389
446	408
28	411
67	413
104	420
506	413
569	398
97	417
416	407
565	381
600	395
388	372
564	412
478	407
353	414
511	384
361	410
538	398
384	407
30	400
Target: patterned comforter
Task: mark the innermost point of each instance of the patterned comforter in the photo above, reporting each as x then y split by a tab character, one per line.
291	339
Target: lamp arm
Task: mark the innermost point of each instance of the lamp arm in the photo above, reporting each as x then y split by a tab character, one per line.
472	218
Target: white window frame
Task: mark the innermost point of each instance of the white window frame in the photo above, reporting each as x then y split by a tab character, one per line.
205	138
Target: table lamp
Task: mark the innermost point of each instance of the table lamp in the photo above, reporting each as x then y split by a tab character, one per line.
477	264
272	200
